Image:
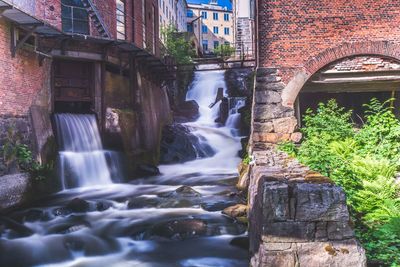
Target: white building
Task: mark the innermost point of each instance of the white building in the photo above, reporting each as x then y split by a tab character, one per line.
173	12
244	24
212	21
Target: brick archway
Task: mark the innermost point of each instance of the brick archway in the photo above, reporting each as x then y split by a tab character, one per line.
330	55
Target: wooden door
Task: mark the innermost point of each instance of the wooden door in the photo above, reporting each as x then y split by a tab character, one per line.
73	81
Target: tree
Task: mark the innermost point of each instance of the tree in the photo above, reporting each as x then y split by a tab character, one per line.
176	45
224	50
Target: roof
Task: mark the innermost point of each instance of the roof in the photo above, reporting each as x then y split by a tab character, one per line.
221	3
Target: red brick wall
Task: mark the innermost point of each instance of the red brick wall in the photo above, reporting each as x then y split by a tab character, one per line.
296	33
21	78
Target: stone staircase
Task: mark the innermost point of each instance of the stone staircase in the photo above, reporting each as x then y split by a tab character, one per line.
96	18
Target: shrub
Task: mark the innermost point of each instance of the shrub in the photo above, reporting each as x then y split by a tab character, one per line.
364	163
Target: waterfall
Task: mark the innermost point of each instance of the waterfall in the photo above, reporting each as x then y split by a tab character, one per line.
233	121
82	160
224	140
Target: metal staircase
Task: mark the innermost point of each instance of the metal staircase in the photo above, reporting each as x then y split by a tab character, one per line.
96	18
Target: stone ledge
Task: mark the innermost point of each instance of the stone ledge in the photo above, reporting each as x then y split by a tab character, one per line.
310	254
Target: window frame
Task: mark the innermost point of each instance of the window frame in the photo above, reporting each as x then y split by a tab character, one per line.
121	35
73	20
216	30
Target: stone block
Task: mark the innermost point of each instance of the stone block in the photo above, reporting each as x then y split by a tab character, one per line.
262	97
339	253
278	258
320	202
339	231
321	233
285	125
283	232
266	71
263	127
271	111
296	137
275	86
275	202
273	138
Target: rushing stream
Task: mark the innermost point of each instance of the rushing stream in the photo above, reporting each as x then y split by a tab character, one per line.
173	219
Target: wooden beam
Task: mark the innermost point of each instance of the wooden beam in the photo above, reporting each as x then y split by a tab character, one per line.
15	45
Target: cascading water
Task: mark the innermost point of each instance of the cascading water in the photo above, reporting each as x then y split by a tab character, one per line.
171	220
82	158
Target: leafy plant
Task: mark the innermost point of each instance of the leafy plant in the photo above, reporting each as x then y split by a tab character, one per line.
288	147
176	45
364	162
224	50
18	157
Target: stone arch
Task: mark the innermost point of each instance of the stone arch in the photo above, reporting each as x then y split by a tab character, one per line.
331	55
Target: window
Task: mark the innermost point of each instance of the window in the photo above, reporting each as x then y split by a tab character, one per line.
205	45
216	44
204	14
74	17
215	16
226	17
121	34
226	31
190	27
204	29
215	30
227	43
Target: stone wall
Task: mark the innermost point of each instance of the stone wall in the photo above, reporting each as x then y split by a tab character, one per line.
272	122
296	216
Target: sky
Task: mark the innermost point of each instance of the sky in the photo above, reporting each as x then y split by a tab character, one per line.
223	3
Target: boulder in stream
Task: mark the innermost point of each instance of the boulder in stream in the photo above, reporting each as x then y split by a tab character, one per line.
180	229
179	145
187	111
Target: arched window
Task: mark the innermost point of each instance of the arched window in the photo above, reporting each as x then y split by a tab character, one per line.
74	17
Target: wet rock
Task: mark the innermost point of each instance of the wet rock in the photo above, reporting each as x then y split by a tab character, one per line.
223	111
241	242
143	202
179	145
216	206
78	205
187	191
181	229
103	205
32	215
238	210
183	191
147	170
187	111
19	229
244	176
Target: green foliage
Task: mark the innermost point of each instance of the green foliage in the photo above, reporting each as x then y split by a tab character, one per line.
176	45
246	159
18	157
224	50
330	120
364	163
288	147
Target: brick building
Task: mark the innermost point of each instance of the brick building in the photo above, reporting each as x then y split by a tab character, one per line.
308	52
84	56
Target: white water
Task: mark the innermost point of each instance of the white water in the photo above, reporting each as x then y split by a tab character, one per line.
223	140
82	158
122	235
